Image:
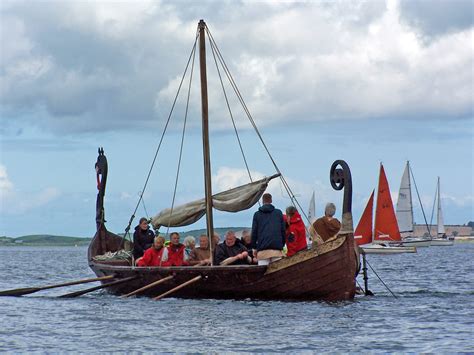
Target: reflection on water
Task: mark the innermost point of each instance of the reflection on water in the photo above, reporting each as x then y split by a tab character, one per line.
433	312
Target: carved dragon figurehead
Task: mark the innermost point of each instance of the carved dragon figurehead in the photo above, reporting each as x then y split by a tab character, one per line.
101	169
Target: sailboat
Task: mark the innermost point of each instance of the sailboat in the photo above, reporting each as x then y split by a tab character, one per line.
385	237
327	271
405	212
311	219
441	238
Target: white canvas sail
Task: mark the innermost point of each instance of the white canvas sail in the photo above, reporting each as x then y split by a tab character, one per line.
404	203
440	222
312	209
233	200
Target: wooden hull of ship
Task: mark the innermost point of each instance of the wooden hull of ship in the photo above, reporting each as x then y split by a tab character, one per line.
326	272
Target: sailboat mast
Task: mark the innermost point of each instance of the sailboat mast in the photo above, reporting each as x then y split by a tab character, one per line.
410	197
205	135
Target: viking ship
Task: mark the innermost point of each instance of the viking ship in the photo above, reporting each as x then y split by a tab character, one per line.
327	271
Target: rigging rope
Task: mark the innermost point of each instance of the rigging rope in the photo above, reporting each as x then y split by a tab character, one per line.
421	204
230	111
381	280
432	211
132	217
182	141
242	102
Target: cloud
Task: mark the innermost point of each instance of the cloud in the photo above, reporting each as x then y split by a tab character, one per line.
435	18
13	202
76	67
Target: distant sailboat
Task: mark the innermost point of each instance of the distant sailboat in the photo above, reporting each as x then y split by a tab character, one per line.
380	240
441	239
311	219
405	212
312	209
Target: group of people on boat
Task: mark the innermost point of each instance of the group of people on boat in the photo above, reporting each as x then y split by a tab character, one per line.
265	243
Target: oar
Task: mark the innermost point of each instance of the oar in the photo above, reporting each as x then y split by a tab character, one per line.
28	290
197	278
87	290
153	284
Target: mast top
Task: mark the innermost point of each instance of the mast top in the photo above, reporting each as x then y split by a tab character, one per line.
202	24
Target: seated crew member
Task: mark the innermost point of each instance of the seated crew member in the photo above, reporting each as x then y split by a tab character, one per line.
232	251
295	231
142	238
176	253
155	255
247	241
216	238
201	255
189	244
328	226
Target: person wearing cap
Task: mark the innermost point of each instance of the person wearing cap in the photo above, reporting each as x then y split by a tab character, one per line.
327	227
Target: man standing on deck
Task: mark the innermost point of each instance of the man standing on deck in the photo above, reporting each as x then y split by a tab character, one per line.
268	232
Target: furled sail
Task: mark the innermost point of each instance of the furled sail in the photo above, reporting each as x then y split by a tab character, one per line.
440	221
386	226
233	200
404	203
363	232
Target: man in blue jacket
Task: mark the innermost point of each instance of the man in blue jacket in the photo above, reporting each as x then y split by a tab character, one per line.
268	232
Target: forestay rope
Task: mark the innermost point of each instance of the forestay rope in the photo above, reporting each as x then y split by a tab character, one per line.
249	115
182	140
132	217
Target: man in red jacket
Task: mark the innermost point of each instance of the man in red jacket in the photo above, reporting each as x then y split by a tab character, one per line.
175	250
155	255
295	231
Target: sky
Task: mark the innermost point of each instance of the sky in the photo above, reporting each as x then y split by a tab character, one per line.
368	82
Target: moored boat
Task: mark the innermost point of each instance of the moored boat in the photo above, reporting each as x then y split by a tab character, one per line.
384	237
441	238
405	213
325	272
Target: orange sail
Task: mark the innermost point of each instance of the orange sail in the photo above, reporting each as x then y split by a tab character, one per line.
363	232
386	226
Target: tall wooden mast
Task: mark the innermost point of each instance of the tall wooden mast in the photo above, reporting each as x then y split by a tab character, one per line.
205	135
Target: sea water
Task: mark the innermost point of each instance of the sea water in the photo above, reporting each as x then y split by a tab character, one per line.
433	311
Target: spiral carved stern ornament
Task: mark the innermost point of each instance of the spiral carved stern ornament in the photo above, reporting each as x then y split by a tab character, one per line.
340	177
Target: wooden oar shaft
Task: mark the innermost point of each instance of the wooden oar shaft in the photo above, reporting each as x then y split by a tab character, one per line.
82	292
28	290
184	284
153	284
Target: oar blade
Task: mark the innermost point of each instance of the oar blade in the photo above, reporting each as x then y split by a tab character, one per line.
19	291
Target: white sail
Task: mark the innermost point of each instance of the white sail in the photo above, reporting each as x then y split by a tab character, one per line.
440	222
404	203
312	209
233	200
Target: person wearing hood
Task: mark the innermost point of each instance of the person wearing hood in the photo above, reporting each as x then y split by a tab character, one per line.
268	232
143	238
295	231
327	227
